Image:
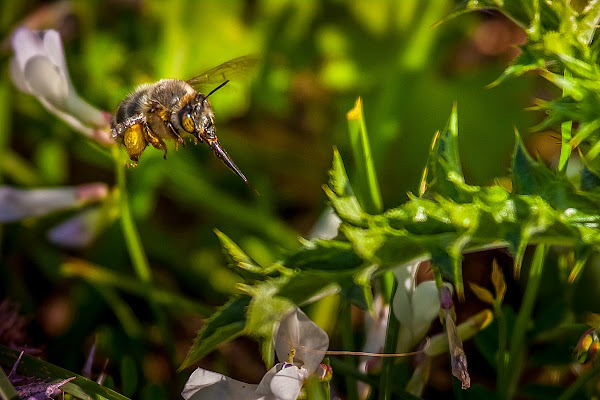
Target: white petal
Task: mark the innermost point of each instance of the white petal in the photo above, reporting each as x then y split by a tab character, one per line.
402	303
286	384
264	387
16	204
46	80
68	118
26	44
309	341
426	302
78	231
54	50
18	76
204	384
326	226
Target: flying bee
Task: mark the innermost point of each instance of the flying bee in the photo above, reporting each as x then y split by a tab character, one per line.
172	108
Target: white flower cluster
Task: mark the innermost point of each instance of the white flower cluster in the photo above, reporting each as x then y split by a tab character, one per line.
300	346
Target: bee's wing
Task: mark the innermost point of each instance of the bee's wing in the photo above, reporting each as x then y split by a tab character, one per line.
233	69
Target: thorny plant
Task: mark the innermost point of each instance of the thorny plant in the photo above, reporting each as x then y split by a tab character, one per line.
540	208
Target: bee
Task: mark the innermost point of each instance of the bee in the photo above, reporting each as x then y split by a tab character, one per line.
172	108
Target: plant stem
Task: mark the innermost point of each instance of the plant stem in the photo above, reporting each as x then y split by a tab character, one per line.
138	255
132	237
348	343
502	332
391	341
343	368
507	387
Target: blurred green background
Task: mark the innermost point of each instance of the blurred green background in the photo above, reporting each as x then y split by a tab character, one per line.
279	126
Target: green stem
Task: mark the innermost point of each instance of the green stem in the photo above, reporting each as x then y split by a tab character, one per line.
132	237
348	343
502	333
580	382
343	368
516	354
7	391
138	255
391	341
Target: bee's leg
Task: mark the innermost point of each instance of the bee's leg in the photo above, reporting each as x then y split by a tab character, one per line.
176	135
155	140
134	141
164	115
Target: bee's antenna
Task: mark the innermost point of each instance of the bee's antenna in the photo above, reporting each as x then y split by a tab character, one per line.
218	87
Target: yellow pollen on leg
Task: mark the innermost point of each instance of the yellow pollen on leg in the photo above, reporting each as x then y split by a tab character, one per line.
134	141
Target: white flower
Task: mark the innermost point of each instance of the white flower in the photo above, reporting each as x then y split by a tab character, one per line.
39	68
326	226
204	384
299	343
79	230
17	204
415	306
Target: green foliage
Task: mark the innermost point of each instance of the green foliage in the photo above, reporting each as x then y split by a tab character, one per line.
318	57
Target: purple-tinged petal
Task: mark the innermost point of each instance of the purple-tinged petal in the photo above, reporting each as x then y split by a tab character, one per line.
17	204
26	44
77	231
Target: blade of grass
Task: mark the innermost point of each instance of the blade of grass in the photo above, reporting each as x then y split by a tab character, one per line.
366	183
368	191
124	313
80	387
517	343
97	275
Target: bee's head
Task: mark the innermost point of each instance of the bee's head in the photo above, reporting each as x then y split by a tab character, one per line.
197	118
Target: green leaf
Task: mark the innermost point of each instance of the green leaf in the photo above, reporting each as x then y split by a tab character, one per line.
80	387
534	16
367	185
325	255
264	313
588	24
7	391
443	168
527	61
340	193
225	324
240	262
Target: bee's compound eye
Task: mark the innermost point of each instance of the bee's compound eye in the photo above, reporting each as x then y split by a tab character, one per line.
186	120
